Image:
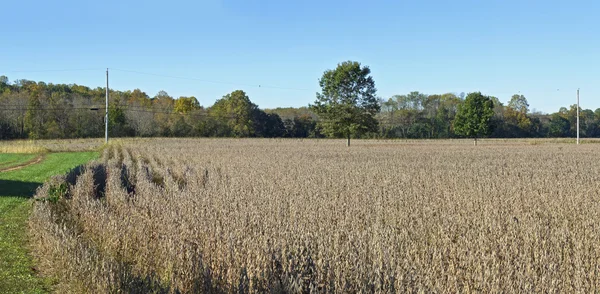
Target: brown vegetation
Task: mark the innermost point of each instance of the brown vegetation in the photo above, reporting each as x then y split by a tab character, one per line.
257	216
43	146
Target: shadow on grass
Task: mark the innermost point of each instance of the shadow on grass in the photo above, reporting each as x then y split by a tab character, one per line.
18	188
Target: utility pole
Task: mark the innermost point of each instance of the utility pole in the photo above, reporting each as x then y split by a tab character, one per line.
106	112
577	116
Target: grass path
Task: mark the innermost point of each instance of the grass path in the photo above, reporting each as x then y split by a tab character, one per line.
8	160
19	165
17	272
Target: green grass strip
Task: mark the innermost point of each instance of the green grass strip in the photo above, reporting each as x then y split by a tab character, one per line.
17	273
13	159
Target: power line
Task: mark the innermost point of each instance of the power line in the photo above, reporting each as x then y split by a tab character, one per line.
210	81
48	108
229	116
54	70
196	115
165	76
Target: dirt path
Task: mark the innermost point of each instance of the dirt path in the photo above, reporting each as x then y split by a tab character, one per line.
25	164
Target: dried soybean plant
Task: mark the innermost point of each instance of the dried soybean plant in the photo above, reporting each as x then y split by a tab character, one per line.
302	216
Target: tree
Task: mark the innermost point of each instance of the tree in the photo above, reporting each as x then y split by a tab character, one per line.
347	103
304	127
34	118
268	125
236	111
439	110
474	116
117	121
571	116
519	103
3	84
181	128
161	95
559	126
589	125
60	105
498	120
408	113
137	96
186	104
516	116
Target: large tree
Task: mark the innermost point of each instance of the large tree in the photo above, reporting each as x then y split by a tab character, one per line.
474	116
347	103
235	110
516	116
519	103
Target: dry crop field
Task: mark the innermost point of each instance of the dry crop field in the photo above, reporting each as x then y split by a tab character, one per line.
304	216
43	146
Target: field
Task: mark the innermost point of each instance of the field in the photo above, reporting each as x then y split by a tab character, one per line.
255	216
43	146
17	270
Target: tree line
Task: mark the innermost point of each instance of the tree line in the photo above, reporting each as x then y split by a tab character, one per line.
38	110
417	115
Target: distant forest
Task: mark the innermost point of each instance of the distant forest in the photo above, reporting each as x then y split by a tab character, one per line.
37	110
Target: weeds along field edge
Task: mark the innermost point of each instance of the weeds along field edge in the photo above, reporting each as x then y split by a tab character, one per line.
288	216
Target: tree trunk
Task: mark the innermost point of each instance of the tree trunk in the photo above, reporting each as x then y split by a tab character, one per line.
348	141
475	141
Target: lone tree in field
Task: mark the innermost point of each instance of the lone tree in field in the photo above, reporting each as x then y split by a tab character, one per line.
474	117
347	103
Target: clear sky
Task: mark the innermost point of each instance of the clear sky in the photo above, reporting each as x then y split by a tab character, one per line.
543	49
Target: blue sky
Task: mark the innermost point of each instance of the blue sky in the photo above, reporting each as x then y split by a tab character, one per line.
543	49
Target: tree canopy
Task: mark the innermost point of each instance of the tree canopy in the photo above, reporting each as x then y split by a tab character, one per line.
474	116
40	110
347	104
186	104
